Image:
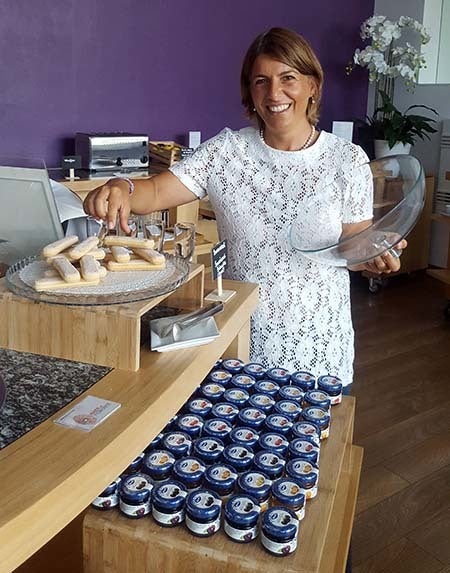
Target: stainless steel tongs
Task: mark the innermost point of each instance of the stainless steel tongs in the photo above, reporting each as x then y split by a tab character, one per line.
188	320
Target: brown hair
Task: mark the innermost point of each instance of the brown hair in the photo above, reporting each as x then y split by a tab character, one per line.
290	48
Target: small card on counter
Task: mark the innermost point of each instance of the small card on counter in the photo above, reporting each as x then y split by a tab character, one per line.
88	413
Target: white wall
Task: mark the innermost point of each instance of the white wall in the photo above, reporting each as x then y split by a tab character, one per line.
436	96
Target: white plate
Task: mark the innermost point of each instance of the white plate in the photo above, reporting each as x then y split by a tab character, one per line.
201	333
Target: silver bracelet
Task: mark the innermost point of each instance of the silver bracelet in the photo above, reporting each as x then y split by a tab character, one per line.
130	183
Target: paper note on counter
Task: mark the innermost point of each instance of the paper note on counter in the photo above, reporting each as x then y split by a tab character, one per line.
88	413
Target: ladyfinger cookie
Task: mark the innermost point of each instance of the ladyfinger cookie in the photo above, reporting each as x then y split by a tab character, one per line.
53	249
102	271
134	265
131	242
98	254
67	271
50	283
120	254
151	256
83	248
89	268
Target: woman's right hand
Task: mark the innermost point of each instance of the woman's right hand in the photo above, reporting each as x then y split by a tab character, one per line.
109	202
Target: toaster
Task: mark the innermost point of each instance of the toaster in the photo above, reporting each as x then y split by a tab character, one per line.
112	151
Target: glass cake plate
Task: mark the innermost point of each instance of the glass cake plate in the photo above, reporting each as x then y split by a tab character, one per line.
397	188
115	288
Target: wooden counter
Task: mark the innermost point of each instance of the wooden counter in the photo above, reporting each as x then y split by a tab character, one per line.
51	474
116	544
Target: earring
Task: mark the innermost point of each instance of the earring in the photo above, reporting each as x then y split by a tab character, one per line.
254	109
312	100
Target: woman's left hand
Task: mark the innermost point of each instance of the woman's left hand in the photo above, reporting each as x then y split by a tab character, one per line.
388	262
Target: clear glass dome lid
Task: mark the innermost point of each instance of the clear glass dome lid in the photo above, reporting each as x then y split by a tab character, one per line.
394	185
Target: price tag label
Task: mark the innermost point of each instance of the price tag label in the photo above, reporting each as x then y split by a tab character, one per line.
219	260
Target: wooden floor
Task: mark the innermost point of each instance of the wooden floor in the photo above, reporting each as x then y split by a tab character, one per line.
402	388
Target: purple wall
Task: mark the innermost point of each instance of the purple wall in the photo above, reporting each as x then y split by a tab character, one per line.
161	67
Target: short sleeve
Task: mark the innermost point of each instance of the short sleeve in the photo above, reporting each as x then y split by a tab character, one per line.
195	172
358	202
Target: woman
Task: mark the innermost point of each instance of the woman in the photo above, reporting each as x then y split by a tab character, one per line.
259	181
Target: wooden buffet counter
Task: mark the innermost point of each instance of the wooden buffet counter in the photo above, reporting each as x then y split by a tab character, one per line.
51	474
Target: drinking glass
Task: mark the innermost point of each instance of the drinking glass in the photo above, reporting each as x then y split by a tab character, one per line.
184	240
154	226
133	223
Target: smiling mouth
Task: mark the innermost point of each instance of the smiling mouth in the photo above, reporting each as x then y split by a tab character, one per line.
278	108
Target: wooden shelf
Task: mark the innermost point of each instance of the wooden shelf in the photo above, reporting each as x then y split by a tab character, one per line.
323	540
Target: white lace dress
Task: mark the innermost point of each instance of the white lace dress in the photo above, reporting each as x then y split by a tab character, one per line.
303	320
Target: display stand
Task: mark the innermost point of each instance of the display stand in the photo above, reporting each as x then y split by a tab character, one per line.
108	335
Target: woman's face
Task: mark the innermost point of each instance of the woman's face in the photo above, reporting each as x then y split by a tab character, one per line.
280	93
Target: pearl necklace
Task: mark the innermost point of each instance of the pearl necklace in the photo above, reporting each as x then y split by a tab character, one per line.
307	143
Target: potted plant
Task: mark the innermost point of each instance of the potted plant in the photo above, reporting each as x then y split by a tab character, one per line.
386	59
394	132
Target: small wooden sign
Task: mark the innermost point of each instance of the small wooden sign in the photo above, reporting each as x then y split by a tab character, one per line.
219	259
70	163
219	263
